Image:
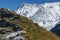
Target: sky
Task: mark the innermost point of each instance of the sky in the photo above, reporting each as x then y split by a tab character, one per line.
14	4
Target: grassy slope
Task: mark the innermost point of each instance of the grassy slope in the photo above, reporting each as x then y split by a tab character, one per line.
33	31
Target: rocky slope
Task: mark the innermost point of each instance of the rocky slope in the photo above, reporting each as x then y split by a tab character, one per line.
9	30
12	23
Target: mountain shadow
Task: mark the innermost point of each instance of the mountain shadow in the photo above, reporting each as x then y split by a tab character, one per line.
56	29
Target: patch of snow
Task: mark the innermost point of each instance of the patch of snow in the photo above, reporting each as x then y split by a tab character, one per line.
14	35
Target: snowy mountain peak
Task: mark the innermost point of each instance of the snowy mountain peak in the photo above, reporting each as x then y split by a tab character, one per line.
46	15
27	9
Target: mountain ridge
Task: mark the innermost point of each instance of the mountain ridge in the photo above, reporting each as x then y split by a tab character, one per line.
45	14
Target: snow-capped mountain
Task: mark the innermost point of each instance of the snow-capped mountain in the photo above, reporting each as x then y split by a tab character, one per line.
46	15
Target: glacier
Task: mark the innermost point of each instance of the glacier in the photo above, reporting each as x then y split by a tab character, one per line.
47	15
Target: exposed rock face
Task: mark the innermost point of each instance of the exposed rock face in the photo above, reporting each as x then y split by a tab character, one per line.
5	14
4	23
